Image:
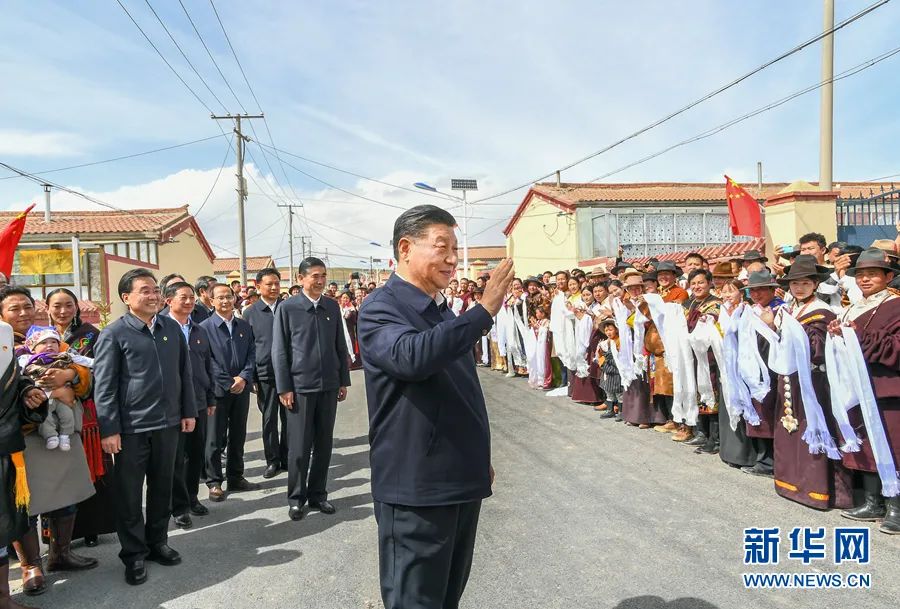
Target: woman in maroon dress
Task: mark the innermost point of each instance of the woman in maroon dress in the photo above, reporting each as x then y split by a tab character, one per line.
637	410
351	314
876	321
811	479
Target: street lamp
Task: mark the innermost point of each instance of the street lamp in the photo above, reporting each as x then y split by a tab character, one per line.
464	185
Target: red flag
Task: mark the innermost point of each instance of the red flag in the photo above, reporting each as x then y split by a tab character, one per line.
9	241
743	210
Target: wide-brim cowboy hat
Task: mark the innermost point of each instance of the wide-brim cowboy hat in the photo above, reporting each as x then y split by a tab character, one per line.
671	267
752	256
804	267
762	279
607	321
873	258
598	271
724	270
538	281
630	272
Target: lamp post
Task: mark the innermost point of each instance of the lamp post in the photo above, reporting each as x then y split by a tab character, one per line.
463	185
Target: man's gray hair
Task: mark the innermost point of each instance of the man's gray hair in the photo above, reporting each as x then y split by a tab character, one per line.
415	221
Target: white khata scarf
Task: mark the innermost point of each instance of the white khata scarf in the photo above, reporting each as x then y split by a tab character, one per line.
672	326
850	385
791	355
752	368
640	329
624	356
584	327
563	331
704	337
737	396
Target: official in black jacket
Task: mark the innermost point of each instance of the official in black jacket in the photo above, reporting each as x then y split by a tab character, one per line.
190	460
261	317
428	426
233	367
312	373
144	392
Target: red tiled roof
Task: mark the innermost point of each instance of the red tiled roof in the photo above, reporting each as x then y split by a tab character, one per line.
88	222
574	194
568	196
90	313
485	252
254	264
712	253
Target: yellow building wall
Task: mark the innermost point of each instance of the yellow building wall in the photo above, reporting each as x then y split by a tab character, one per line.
541	240
787	221
184	255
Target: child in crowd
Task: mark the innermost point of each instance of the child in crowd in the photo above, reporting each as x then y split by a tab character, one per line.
43	344
610	381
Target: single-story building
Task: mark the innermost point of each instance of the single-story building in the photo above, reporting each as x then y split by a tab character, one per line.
563	225
226	270
109	243
482	258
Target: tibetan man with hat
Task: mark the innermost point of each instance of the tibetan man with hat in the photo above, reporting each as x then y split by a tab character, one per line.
636	406
804	472
876	321
762	285
667	274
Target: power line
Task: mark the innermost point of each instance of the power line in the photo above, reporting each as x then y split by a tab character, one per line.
38	180
255	99
177	75
698	101
357	175
216	181
771	106
191	65
118	158
343	190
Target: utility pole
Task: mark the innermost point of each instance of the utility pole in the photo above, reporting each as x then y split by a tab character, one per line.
290	207
241	185
47	203
826	116
371	269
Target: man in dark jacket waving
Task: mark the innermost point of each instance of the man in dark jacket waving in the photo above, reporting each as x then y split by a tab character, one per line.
428	426
312	373
144	393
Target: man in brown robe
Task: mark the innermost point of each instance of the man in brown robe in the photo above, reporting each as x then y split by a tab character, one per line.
667	274
876	321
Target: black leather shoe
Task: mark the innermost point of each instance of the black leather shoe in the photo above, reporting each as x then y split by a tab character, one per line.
296	512
756	470
241	484
91	541
697	440
164	555
870	511
136	573
183	521
198	509
271	471
323	506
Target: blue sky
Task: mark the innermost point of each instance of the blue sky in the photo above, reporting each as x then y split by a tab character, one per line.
405	91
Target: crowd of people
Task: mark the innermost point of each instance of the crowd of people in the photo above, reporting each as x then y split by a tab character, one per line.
760	362
161	397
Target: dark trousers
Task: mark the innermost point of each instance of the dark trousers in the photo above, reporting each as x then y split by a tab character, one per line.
765	450
228	423
150	455
310	432
275	445
425	553
190	460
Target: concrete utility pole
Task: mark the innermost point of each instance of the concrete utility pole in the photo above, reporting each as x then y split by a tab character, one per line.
290	207
241	185
826	116
46	202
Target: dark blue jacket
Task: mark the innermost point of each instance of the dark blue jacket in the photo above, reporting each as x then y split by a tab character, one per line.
262	319
309	351
201	366
428	426
142	380
244	348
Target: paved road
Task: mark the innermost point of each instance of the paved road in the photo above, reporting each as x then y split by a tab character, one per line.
587	514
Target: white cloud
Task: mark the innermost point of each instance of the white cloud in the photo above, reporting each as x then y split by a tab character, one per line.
15	142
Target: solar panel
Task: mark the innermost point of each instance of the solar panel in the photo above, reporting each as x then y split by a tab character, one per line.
459	184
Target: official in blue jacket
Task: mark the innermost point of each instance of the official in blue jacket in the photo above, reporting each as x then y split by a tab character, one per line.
233	367
428	426
144	391
312	374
